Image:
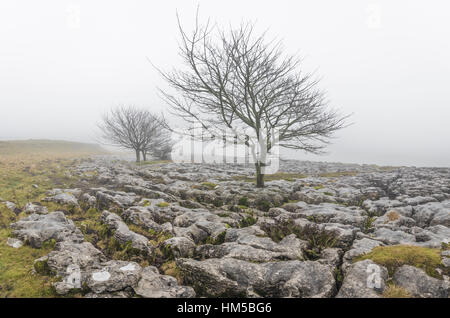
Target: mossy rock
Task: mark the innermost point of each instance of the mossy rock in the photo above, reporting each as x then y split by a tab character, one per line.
49	244
163	204
170	268
395	256
243	202
263	205
218	202
216	241
209	185
247	221
41	267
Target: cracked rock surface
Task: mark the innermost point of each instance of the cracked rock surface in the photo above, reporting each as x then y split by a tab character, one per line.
186	230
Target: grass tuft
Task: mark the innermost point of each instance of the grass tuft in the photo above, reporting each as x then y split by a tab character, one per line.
395	256
394	291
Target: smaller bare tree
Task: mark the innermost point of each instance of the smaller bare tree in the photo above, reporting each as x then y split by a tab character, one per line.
157	137
129	127
162	148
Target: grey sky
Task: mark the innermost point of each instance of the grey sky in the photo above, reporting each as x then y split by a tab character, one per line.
62	63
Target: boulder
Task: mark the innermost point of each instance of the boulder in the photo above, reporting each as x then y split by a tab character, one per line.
63	198
36	229
13	242
112	276
231	277
31	208
419	284
363	279
179	247
123	234
154	285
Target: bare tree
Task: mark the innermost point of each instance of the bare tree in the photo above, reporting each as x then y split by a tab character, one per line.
158	138
130	128
235	79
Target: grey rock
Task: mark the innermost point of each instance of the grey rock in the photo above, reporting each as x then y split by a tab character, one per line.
84	255
36	229
154	285
123	234
63	198
359	247
13	242
89	200
31	208
232	277
113	276
363	279
180	246
419	284
331	213
233	235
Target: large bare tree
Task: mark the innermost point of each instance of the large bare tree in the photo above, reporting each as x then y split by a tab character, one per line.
234	79
132	128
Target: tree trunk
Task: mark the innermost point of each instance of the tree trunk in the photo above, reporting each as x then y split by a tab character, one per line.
259	176
144	155
138	156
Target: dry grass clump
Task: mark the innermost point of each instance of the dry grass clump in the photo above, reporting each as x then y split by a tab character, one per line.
394	291
392	216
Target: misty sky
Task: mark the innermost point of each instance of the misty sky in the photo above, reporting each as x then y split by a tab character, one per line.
63	63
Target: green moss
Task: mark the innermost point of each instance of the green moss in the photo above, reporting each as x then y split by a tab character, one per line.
272	177
318	187
16	271
49	244
247	221
41	267
122	251
395	256
163	204
166	251
209	185
339	276
34	163
368	223
155	162
157	238
93	230
338	174
318	239
218	202
243	201
170	268
263	205
218	240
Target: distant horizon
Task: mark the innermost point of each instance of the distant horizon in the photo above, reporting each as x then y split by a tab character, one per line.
119	150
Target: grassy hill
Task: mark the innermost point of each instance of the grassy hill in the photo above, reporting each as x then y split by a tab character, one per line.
48	148
23	164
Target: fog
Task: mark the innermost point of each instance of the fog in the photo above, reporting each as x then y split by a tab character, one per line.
63	63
